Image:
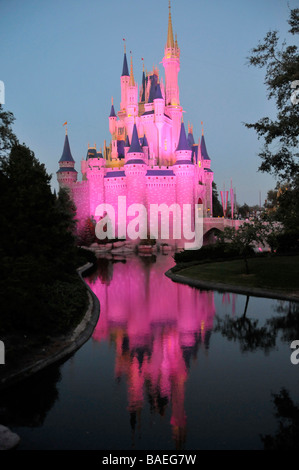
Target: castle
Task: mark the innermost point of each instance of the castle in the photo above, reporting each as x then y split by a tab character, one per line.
150	159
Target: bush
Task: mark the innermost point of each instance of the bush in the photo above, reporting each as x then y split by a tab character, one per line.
288	243
218	251
85	256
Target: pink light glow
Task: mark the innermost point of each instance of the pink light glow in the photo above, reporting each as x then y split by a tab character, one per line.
160	321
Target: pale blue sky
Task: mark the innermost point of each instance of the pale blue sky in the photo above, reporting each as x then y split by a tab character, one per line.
62	61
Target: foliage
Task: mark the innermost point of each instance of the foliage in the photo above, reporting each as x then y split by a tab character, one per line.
287	412
213	252
243	238
217	207
87	234
287	243
39	287
7	137
244	210
280	153
288	206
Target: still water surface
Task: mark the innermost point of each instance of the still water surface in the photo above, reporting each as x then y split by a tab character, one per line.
168	367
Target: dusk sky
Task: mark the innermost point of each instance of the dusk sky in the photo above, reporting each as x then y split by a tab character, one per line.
62	61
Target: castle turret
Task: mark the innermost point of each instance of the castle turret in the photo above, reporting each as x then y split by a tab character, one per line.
95	176
132	101
184	172
171	63
135	171
66	175
145	148
124	83
183	151
208	175
112	119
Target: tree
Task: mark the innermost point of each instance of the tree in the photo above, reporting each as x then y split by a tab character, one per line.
217	207
7	137
243	239
39	286
288	206
244	210
281	135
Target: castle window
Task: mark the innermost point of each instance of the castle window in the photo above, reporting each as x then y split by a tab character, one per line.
165	144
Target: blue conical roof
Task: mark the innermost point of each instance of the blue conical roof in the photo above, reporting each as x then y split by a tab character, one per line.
183	142
155	89
127	143
191	139
145	142
158	93
203	149
135	145
143	87
66	154
125	67
112	112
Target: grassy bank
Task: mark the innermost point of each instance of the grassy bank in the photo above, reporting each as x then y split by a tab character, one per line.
278	273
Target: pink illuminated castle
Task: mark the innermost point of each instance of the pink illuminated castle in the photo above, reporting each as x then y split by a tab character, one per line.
150	159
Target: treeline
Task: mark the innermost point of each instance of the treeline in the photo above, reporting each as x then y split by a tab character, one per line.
40	290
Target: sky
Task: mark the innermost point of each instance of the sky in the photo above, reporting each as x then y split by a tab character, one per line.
62	61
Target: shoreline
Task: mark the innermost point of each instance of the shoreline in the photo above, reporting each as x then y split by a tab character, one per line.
222	287
60	347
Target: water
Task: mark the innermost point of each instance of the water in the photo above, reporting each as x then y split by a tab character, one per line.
168	367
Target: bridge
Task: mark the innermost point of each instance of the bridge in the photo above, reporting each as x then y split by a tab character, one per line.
212	225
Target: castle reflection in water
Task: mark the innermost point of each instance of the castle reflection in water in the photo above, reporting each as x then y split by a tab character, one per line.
157	327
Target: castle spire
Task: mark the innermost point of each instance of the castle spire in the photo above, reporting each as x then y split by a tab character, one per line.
183	142
143	83
132	81
203	148
112	112
66	154
170	41
135	144
125	71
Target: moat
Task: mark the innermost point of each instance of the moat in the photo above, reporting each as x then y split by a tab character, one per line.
167	367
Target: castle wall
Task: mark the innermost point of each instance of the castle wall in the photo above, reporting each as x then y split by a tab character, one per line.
161	189
114	187
185	195
80	195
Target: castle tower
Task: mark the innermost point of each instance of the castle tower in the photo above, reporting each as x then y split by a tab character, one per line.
112	119
208	174
66	175
124	83
184	172
132	101
159	106
171	63
142	93
95	176
135	171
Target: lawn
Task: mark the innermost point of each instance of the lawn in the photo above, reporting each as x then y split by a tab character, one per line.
279	273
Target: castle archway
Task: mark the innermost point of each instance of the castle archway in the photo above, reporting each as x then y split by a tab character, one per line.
211	236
